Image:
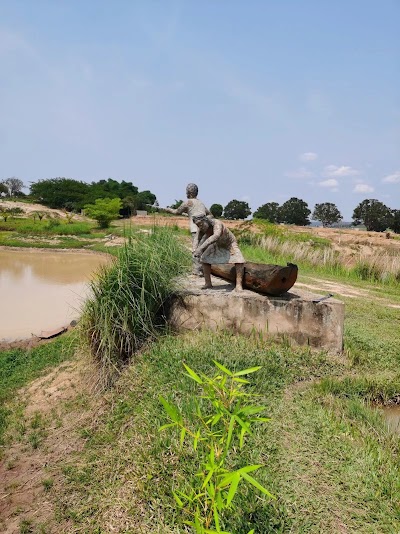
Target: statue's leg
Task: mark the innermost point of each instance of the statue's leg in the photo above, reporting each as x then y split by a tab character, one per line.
207	276
239	276
197	268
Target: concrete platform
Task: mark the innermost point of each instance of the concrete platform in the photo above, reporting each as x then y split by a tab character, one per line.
293	315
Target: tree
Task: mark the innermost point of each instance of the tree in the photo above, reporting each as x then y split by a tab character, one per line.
294	211
268	212
144	198
3	189
217	210
395	225
60	193
327	213
176	204
237	209
104	210
14	186
373	214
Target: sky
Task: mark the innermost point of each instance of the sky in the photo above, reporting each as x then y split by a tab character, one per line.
254	100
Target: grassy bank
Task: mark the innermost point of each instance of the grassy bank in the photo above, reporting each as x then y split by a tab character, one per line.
327	454
18	367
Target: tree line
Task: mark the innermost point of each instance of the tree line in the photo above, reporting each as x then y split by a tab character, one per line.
74	195
372	213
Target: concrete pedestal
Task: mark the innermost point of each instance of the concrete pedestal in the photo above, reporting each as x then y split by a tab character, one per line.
293	315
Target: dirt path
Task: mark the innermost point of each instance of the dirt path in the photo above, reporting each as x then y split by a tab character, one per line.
44	432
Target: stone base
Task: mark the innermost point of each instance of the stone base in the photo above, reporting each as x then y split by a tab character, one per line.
293	315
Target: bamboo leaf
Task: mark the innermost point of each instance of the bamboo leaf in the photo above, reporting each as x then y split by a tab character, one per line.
208	478
192	374
216	518
257	485
247	371
230	432
249	468
178	500
224	369
216	418
171	410
233	488
241	380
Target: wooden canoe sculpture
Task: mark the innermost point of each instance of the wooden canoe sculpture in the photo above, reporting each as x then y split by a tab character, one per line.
263	278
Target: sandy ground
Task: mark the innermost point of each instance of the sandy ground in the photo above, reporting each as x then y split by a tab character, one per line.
24	469
30	208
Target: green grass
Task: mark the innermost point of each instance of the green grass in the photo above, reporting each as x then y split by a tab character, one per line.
18	367
327	455
52	227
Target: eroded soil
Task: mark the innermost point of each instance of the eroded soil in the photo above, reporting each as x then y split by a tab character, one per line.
44	432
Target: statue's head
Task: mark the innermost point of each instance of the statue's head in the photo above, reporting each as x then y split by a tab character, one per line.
203	222
192	190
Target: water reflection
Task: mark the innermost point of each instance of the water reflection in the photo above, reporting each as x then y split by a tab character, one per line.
42	290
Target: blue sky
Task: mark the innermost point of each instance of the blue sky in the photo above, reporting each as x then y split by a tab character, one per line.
252	100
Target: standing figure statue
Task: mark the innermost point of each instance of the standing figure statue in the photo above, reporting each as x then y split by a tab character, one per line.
215	244
193	207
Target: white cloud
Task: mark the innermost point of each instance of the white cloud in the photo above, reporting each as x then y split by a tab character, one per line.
363	188
334	170
308	156
300	173
392	178
329	183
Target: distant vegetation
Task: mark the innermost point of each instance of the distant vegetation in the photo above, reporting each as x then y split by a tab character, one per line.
72	196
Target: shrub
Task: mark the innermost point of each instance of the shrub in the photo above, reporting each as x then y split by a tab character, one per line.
129	299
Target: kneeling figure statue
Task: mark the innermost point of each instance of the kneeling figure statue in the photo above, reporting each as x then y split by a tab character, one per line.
214	243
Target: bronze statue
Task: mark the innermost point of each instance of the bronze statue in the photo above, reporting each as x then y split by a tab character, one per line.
214	243
193	207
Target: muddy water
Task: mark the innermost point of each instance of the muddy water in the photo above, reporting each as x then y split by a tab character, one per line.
42	290
392	417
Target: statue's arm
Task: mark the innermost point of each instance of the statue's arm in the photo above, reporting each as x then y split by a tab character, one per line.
183	208
212	239
196	240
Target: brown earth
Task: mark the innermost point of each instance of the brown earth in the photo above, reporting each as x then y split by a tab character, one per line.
31	468
31	208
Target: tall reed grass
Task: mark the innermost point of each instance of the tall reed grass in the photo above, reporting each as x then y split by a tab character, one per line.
383	267
130	297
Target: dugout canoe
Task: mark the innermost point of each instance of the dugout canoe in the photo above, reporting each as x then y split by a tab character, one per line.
48	334
261	277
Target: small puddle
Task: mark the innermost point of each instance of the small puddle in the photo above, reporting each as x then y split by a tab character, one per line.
391	415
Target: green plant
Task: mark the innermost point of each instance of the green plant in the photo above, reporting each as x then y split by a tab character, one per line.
221	420
129	298
104	210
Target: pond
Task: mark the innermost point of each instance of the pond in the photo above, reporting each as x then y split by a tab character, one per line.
41	290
